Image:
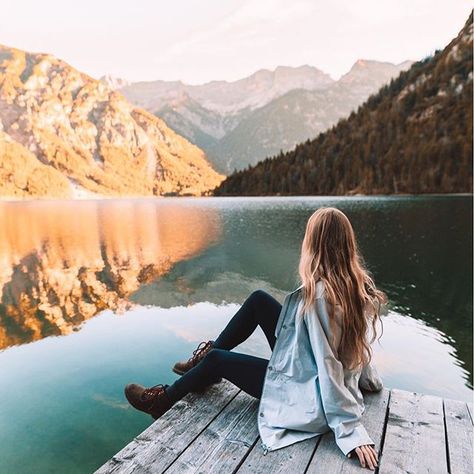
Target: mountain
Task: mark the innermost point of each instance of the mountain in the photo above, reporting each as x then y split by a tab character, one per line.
205	113
365	76
298	115
198	124
413	136
65	134
241	122
114	82
230	98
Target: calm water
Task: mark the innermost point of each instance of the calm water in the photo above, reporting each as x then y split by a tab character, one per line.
96	294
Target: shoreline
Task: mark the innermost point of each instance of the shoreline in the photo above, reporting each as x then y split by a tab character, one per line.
270	196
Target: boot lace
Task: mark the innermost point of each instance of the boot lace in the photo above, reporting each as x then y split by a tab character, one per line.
151	392
199	351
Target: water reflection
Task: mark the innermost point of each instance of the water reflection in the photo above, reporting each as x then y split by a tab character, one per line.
419	250
177	270
64	262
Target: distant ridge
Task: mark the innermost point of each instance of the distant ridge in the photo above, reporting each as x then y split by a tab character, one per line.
241	122
230	97
413	136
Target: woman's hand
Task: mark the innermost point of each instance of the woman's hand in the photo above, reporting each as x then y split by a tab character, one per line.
367	456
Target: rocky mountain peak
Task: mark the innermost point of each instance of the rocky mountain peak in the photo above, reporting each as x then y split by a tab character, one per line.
65	134
114	82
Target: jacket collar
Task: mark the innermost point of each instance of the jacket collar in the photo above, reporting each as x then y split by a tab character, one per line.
297	290
319	289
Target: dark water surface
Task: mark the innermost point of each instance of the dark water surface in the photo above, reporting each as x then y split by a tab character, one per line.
96	294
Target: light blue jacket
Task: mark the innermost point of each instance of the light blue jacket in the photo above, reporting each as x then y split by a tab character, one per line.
306	390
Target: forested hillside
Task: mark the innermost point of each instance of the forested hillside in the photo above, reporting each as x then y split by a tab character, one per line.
299	115
413	136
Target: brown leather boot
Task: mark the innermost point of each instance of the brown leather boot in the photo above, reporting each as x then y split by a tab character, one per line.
153	400
198	354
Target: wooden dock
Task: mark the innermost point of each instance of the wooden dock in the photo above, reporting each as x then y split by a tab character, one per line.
216	432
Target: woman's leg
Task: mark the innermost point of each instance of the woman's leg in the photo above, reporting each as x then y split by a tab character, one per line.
259	309
245	371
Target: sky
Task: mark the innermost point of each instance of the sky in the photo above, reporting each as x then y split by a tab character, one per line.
202	40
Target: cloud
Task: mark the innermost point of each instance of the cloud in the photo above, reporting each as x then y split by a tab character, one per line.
253	24
201	40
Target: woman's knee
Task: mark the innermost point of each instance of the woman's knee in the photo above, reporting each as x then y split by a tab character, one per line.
259	295
215	361
265	303
214	356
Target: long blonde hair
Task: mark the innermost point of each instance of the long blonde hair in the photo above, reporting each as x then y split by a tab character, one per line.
329	253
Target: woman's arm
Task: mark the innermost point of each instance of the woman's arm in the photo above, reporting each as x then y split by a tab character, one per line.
342	411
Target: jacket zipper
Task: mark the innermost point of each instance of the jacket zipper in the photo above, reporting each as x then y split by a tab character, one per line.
262	444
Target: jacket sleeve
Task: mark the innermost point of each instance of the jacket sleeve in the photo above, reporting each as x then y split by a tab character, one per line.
342	410
369	378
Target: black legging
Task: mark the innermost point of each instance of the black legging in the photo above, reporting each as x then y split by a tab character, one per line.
245	371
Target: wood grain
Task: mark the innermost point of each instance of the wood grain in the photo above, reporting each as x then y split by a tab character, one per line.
459	436
414	439
216	432
224	443
159	445
329	458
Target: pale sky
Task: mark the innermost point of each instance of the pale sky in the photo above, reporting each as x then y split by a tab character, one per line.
202	40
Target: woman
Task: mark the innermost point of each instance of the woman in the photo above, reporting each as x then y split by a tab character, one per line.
320	345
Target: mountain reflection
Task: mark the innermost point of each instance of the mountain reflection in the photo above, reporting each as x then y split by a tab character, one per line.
64	262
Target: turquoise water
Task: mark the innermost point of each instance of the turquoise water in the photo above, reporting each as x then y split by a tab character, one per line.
96	294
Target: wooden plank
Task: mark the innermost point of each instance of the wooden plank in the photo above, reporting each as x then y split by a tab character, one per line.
459	436
160	444
224	443
329	458
294	458
216	432
414	437
471	411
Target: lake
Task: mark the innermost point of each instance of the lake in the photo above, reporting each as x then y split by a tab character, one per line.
96	294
